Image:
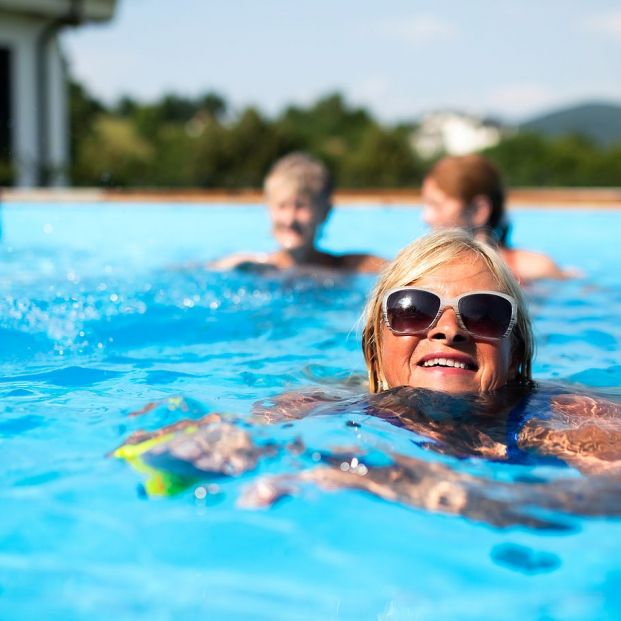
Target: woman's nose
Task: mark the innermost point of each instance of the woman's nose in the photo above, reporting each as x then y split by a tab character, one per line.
447	328
287	215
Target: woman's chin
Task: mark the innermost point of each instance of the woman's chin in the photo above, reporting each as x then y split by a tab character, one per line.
452	380
290	242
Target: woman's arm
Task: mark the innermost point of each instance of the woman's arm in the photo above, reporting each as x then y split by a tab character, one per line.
584	431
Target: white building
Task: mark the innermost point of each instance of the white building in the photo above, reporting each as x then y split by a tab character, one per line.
453	134
34	131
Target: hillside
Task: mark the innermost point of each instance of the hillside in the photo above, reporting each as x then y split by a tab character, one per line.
599	121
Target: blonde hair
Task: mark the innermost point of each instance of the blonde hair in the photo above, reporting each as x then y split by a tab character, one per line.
308	174
422	257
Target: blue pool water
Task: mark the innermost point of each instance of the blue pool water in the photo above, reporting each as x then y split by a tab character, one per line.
97	319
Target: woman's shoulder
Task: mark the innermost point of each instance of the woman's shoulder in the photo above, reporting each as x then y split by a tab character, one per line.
579	426
362	263
241	260
530	265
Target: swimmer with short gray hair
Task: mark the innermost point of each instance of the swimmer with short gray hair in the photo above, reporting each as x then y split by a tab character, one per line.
298	191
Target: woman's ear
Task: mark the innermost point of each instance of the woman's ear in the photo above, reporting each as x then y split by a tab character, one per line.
480	211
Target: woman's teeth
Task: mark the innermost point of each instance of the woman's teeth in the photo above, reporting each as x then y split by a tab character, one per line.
444	362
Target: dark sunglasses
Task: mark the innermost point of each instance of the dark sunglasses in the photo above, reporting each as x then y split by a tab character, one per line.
484	314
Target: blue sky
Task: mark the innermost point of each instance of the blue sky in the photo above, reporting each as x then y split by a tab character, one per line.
398	58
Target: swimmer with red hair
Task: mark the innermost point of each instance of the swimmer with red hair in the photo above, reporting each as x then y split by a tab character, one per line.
468	192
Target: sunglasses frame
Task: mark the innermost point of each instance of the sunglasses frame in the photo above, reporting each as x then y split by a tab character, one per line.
454	304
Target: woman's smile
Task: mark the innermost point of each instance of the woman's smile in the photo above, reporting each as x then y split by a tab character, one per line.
446	356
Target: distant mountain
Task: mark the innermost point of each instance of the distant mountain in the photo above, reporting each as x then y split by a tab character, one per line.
599	121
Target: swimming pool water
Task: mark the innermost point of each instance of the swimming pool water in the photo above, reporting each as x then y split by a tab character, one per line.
98	317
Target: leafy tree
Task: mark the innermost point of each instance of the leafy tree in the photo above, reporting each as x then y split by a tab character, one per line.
214	105
606	168
212	161
126	106
172	162
113	154
195	142
328	118
520	158
172	108
7	171
239	155
529	159
84	110
384	159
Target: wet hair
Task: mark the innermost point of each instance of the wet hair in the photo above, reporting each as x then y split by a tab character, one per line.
308	174
419	259
467	176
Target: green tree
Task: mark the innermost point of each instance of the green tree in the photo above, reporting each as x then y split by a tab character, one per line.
239	155
529	159
183	142
215	105
383	159
520	158
606	168
84	110
114	154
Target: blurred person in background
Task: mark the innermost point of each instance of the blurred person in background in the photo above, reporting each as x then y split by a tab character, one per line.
468	192
298	192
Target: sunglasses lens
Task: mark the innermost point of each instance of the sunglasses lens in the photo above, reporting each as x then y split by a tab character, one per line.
485	314
410	311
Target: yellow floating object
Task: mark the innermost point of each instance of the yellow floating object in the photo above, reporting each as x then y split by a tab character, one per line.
159	482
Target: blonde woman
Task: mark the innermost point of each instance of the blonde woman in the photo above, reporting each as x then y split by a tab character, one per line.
448	346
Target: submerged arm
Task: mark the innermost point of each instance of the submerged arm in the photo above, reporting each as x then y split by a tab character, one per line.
584	431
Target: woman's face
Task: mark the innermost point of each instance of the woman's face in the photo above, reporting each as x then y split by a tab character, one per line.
440	210
489	364
295	217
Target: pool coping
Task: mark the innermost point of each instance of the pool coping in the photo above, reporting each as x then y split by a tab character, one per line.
601	198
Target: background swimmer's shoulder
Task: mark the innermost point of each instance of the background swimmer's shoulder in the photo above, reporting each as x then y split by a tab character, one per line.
363	263
528	265
241	261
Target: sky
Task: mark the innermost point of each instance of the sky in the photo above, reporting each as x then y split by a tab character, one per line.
398	58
